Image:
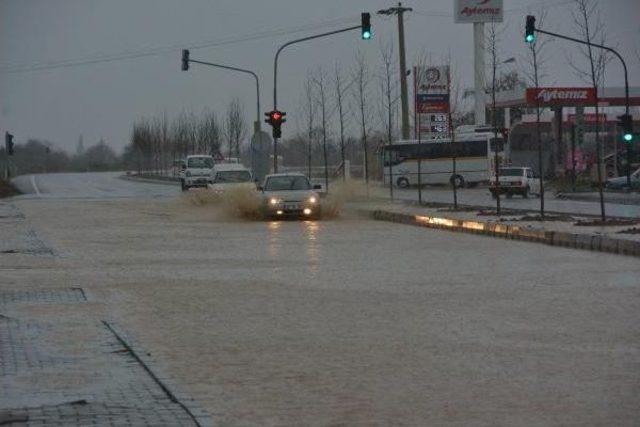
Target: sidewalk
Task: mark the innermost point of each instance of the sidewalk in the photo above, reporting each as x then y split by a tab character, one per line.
60	364
623	239
618	197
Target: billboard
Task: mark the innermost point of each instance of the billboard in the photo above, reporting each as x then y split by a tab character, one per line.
465	11
561	96
431	86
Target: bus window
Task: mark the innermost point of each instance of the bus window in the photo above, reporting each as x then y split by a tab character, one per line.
391	154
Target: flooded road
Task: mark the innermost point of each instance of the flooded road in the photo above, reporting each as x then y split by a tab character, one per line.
348	321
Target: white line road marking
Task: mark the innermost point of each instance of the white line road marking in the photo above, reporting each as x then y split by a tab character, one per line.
33	183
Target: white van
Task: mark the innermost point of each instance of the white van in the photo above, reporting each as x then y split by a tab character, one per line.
196	171
229	175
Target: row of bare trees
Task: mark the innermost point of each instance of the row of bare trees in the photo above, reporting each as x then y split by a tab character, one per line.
158	141
339	111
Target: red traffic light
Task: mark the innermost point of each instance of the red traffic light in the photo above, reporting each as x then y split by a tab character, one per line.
276	116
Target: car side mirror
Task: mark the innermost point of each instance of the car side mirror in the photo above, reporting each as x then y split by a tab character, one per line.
317	187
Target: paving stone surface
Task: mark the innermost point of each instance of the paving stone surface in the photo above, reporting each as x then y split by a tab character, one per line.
96	383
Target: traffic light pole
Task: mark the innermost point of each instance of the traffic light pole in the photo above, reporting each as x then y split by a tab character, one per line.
275	78
255	76
242	70
626	83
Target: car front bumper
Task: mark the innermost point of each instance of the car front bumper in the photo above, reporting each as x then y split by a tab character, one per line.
507	188
197	181
292	209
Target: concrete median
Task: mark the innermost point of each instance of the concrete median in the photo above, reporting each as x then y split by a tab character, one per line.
591	242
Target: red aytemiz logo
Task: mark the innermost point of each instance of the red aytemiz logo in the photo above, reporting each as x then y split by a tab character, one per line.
470	11
554	94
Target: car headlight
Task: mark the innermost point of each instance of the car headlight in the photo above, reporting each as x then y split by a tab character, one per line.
273	201
312	200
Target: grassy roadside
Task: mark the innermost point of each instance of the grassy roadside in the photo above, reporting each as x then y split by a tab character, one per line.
7	190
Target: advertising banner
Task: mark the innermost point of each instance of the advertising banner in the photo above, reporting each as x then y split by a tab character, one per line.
432	101
465	11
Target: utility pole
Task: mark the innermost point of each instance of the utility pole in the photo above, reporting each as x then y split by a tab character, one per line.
404	98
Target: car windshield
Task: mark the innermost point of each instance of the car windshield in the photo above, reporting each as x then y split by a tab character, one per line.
200	162
511	172
232	177
283	183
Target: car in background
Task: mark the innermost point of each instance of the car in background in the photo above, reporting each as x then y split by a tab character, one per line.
196	171
225	176
290	194
620	182
515	180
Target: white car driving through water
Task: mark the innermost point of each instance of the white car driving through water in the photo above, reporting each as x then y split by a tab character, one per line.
226	176
290	194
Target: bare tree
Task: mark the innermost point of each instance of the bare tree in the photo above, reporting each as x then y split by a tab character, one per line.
210	133
310	111
492	46
423	60
322	102
235	127
454	80
589	25
361	79
340	92
388	98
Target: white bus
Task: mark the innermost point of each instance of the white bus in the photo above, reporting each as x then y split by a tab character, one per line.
474	159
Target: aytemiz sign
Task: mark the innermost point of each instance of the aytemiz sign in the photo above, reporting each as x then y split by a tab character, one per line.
465	11
431	85
561	96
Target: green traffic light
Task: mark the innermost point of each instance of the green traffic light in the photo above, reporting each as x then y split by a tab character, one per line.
366	35
628	137
530	38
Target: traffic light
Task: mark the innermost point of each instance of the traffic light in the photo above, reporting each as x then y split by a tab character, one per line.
8	143
366	26
625	121
529	30
185	59
275	118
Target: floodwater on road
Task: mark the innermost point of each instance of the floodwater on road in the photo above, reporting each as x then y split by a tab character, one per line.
350	321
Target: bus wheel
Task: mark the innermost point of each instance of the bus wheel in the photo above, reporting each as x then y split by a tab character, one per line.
457	181
403	182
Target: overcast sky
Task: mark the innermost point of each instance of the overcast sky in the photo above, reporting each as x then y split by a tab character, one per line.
102	99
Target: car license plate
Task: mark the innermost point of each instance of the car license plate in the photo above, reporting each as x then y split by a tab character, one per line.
290	207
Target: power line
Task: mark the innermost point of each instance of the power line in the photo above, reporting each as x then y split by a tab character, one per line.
161	50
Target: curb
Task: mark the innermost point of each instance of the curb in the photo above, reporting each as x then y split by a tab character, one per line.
553	238
149	180
200	417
